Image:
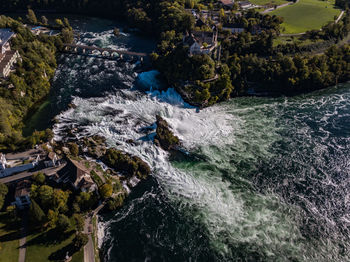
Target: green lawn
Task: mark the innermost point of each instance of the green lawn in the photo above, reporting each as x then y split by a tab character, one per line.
40	119
43	246
306	15
79	256
9	242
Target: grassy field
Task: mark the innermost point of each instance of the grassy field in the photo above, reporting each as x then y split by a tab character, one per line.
9	242
79	256
306	15
42	247
39	120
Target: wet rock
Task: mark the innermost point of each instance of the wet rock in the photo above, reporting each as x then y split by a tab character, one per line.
71	105
130	141
116	31
164	136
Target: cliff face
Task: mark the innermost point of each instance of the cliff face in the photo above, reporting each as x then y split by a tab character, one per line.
165	137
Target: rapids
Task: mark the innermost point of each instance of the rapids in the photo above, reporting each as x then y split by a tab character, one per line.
272	183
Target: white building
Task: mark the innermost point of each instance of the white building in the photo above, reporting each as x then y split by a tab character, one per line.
8	171
227	4
244	5
201	42
51	160
8	57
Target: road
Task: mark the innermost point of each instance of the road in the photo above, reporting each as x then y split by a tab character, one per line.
89	249
47	171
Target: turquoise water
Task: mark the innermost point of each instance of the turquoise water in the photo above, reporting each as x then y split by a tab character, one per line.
270	182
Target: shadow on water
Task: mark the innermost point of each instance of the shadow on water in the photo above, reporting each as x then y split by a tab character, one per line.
150	226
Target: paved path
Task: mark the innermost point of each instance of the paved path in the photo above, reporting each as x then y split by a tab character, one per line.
296	34
89	249
23	240
340	16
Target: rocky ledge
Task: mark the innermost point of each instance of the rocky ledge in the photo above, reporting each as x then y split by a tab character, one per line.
165	137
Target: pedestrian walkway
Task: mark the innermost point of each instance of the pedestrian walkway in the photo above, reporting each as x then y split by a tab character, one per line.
23	239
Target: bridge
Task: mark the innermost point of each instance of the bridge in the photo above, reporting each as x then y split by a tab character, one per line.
106	53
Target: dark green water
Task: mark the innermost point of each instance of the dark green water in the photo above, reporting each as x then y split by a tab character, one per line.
272	182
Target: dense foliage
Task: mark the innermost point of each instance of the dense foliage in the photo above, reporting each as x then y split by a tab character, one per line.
3	193
289	75
126	164
164	136
28	86
152	17
343	3
250	60
247	59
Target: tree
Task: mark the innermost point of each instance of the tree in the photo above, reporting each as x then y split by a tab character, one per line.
85	201
74	149
106	190
36	214
66	22
222	14
32	17
44	20
63	223
60	199
3	189
11	211
52	217
3	193
80	240
39	178
67	35
59	23
45	194
116	202
79	222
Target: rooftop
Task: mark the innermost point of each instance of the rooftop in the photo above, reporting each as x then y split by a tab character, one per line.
200	37
23	188
5	35
244	3
227	2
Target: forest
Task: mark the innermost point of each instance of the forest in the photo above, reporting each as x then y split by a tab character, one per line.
151	17
29	85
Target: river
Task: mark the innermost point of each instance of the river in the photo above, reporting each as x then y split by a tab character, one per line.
271	182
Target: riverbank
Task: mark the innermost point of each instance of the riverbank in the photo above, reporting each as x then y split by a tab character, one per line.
28	86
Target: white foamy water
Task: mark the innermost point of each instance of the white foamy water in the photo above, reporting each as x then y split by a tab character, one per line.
237	142
121	116
101	39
